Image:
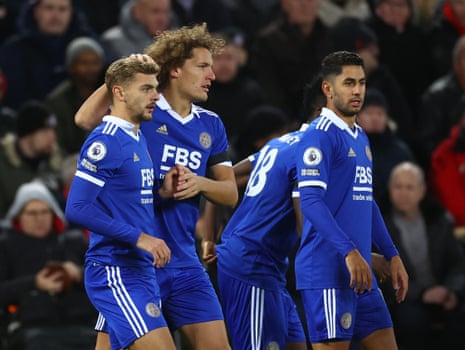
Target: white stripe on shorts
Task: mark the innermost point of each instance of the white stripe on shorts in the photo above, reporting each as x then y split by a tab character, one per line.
125	301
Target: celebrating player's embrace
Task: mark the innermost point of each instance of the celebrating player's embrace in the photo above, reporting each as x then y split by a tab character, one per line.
138	185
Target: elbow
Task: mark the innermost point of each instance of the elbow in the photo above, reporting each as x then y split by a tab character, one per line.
72	215
231	198
234	199
81	122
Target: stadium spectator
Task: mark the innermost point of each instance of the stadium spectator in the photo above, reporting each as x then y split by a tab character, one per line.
85	65
41	273
139	22
30	152
287	54
33	60
432	316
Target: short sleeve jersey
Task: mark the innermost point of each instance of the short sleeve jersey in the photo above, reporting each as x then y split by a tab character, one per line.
197	141
337	159
261	234
116	162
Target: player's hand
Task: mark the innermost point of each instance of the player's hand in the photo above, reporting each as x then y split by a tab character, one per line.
399	278
160	251
188	185
380	266
170	182
208	251
361	278
142	57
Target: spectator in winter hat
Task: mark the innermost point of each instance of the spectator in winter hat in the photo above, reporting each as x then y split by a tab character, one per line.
30	152
85	63
41	274
387	147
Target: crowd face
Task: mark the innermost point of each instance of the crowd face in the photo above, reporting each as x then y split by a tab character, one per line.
87	68
226	65
396	13
373	119
53	16
458	7
155	15
301	12
43	141
36	219
406	190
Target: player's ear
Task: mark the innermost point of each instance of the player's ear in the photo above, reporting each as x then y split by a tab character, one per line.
326	88
118	92
175	72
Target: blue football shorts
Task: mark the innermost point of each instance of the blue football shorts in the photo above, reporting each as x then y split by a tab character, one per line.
127	299
188	296
257	318
342	314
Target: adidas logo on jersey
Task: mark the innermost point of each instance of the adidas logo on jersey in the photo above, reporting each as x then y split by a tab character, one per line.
136	157
163	129
351	153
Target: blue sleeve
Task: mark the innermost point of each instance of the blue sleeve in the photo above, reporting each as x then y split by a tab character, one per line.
81	208
381	237
315	210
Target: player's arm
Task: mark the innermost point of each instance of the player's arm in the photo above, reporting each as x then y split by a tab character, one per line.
81	209
242	172
315	210
299	218
220	189
91	112
383	241
208	235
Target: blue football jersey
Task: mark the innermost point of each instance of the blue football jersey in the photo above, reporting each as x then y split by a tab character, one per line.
111	193
334	169
197	141
261	234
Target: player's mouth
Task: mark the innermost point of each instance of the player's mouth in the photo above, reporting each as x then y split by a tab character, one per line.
356	103
151	107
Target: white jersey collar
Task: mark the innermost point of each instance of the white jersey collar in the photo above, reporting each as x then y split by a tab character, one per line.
126	126
341	124
163	104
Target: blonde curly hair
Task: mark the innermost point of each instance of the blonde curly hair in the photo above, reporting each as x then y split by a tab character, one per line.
172	48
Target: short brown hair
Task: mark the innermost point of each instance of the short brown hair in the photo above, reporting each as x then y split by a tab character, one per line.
173	47
123	70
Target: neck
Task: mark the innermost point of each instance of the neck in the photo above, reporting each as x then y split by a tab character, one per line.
409	215
123	114
178	103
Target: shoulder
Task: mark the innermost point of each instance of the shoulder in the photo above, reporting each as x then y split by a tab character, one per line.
112	34
205	113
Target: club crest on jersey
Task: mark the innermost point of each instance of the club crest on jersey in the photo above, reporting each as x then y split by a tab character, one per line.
272	346
346	320
205	140
368	153
312	156
97	151
152	310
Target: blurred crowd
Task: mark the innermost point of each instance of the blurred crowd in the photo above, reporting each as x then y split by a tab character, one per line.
53	54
